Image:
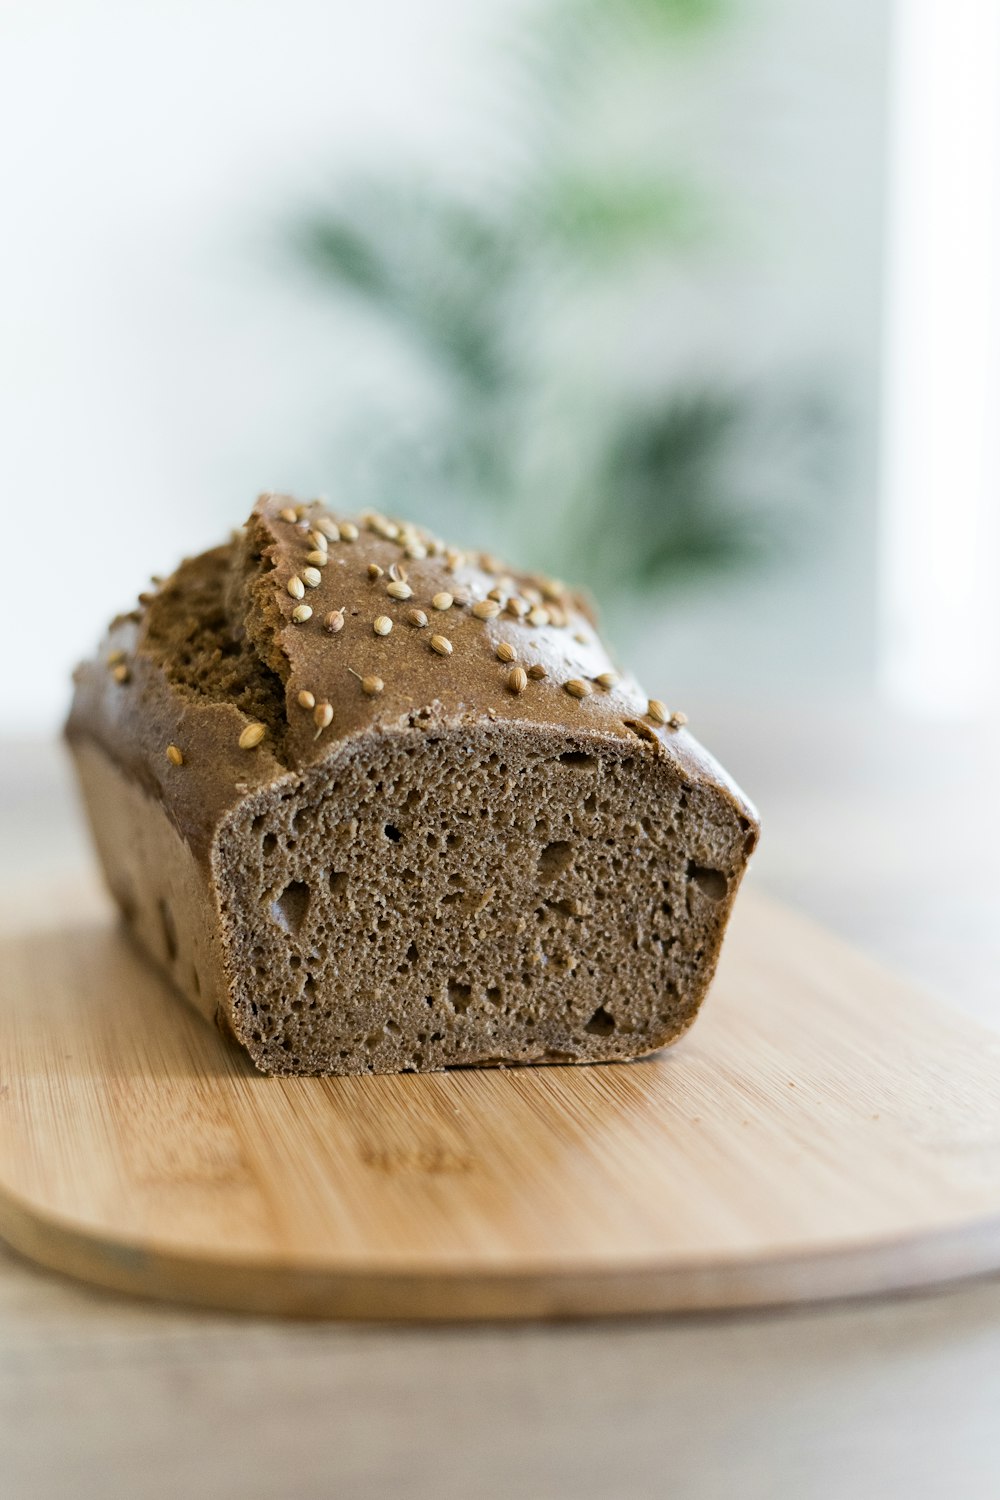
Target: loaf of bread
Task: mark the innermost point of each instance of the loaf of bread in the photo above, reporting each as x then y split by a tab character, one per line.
377	804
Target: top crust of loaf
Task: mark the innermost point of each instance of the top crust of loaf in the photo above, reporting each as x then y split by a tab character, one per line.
240	637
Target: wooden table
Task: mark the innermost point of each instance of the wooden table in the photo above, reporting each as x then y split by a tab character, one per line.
885	830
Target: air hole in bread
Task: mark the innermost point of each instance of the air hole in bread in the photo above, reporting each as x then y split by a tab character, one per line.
578	759
555	859
601	1023
289	910
752	835
460	996
567	907
392	833
711	883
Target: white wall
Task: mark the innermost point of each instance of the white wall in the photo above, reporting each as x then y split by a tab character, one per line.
157	368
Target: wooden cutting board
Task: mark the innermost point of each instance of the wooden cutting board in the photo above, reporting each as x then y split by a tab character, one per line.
823	1131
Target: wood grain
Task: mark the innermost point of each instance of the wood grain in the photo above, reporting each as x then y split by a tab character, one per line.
823	1131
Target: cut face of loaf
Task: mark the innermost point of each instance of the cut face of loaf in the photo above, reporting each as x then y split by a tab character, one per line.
376	804
490	895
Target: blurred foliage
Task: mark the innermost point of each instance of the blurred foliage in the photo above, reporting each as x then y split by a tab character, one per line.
506	307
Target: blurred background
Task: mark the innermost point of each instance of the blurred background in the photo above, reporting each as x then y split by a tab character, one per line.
691	301
594	282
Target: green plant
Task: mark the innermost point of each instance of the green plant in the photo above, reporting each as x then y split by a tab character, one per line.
505	308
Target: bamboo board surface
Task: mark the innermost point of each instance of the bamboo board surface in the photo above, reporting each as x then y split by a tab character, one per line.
822	1131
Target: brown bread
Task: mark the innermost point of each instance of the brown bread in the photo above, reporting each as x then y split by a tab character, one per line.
379	805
